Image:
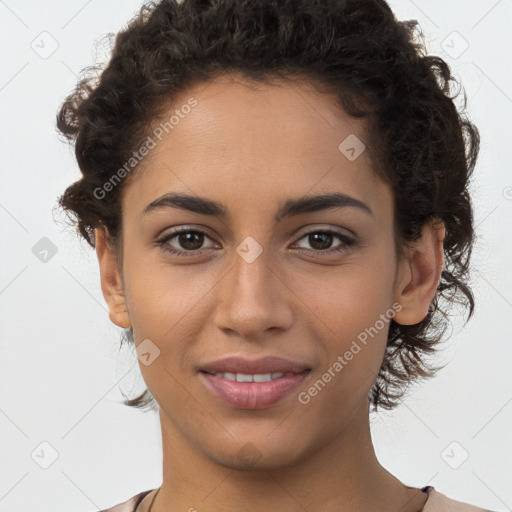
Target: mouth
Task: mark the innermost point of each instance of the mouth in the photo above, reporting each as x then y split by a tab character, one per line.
252	377
252	384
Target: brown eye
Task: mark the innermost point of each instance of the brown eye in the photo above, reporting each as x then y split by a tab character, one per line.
321	241
191	241
186	242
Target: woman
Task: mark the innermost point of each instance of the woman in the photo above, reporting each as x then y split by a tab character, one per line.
277	193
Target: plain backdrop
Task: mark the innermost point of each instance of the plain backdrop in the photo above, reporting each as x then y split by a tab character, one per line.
61	374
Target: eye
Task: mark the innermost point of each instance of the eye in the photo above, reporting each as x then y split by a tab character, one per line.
321	241
190	240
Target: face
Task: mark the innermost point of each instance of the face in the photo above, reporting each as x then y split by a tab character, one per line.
305	285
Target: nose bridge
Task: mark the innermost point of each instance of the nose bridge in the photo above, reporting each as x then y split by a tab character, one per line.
251	300
253	252
251	274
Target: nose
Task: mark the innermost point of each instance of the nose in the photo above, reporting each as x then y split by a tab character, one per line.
254	297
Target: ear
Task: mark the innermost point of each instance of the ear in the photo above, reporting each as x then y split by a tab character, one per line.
419	274
111	281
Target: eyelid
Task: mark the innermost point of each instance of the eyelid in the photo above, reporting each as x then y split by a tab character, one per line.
328	228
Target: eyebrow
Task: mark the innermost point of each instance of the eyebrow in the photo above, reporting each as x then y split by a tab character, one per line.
289	208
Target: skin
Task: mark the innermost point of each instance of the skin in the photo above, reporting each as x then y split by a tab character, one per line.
251	149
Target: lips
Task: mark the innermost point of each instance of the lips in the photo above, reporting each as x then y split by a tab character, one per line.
252	395
253	384
263	365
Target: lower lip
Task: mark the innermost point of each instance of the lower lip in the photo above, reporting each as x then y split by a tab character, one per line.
252	395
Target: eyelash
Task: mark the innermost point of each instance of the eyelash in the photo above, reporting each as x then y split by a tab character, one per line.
348	243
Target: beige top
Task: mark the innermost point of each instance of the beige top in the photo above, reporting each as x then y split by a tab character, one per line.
436	502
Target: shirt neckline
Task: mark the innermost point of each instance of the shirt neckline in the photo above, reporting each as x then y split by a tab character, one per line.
145	498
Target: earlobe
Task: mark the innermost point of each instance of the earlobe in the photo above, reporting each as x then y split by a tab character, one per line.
111	281
420	274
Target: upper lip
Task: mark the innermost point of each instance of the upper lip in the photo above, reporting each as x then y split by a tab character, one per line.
267	364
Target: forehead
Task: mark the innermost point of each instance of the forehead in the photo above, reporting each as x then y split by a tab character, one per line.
248	142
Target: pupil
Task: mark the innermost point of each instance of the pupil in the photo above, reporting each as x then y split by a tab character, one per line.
326	237
185	238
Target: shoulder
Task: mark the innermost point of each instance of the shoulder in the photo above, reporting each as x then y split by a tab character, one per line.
129	505
438	502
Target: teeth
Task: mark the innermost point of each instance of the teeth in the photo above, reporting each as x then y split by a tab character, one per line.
243	377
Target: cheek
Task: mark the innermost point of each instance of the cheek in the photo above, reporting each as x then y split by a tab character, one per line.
352	313
354	355
162	298
167	305
347	299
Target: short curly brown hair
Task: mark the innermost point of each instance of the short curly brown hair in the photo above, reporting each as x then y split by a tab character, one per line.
420	142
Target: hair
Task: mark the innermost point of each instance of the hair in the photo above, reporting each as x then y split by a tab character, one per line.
419	141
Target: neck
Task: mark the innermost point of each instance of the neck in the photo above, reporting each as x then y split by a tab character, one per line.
343	475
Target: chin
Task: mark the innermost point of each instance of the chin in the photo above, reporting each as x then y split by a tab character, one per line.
257	454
